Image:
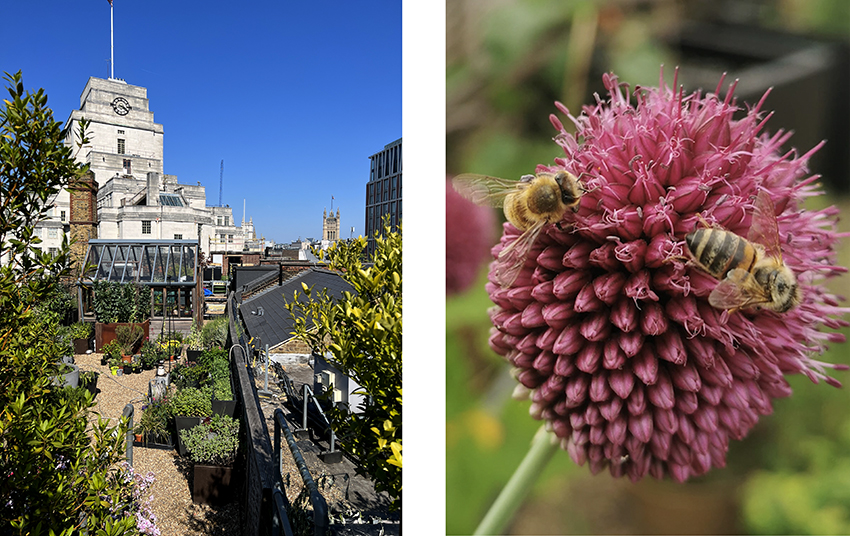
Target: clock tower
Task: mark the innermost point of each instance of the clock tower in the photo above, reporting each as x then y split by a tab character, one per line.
123	138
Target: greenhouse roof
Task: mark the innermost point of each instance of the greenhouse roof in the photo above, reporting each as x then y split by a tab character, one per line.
167	263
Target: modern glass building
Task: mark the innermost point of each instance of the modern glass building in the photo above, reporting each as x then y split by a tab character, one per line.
383	191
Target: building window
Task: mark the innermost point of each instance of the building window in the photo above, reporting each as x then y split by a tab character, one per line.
218	220
120	131
230	238
226	220
146	227
120	145
51	233
52	251
62	216
178	237
127	169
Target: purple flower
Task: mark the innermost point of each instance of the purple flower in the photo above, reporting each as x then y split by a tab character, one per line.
609	327
469	232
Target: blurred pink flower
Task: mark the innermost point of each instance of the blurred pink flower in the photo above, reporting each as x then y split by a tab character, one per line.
470	231
610	331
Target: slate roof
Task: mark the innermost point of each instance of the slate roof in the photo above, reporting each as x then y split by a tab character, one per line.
264	314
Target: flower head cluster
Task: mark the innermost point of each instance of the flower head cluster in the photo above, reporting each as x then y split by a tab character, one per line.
469	232
608	325
133	500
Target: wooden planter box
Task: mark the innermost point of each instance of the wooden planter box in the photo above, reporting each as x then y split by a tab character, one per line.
152	442
184	423
105	333
214	484
81	346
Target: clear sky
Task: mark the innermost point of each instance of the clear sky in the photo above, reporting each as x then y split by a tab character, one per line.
293	96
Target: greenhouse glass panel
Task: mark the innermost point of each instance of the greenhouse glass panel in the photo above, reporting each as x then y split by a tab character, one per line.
119	264
105	265
152	262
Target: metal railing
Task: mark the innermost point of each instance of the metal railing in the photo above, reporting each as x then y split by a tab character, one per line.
321	520
312	397
129	410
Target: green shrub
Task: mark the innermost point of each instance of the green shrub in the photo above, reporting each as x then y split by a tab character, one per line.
55	459
154	420
214	333
112	349
151	354
190	375
214	442
191	402
81	330
116	302
129	337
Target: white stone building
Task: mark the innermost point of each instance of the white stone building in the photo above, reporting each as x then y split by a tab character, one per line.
135	199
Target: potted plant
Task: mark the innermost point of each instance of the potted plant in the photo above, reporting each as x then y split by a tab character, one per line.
150	355
88	380
81	332
194	344
188	406
171	344
116	364
68	374
217	362
129	338
116	304
188	375
213	446
110	350
153	425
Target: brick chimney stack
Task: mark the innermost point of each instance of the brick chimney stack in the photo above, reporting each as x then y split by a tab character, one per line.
83	219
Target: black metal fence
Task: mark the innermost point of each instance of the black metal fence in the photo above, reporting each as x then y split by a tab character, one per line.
264	511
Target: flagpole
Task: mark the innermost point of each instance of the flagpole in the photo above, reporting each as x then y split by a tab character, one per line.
111	41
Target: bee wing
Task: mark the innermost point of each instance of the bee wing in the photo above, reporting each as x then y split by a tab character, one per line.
738	290
764	229
483	189
512	258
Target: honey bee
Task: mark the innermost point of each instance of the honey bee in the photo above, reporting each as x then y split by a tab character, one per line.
529	204
751	271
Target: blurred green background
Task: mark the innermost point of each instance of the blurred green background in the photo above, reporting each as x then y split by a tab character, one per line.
507	62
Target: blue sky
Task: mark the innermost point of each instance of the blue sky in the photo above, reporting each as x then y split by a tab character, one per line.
293	96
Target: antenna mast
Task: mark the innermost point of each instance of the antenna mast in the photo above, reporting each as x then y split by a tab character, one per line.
220	183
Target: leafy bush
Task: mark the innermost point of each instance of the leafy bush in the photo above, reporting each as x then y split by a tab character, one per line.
364	330
112	349
116	302
151	354
214	333
129	337
193	341
154	419
214	442
191	402
55	458
189	375
81	330
217	362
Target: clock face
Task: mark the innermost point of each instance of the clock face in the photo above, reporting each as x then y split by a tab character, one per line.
121	106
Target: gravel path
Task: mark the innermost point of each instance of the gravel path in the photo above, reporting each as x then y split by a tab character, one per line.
176	514
345	492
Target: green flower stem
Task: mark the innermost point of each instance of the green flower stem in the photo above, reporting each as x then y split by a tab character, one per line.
543	447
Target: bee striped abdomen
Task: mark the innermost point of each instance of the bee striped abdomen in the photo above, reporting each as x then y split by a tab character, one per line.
720	251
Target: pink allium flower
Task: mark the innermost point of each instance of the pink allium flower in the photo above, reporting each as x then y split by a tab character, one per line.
609	328
470	230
